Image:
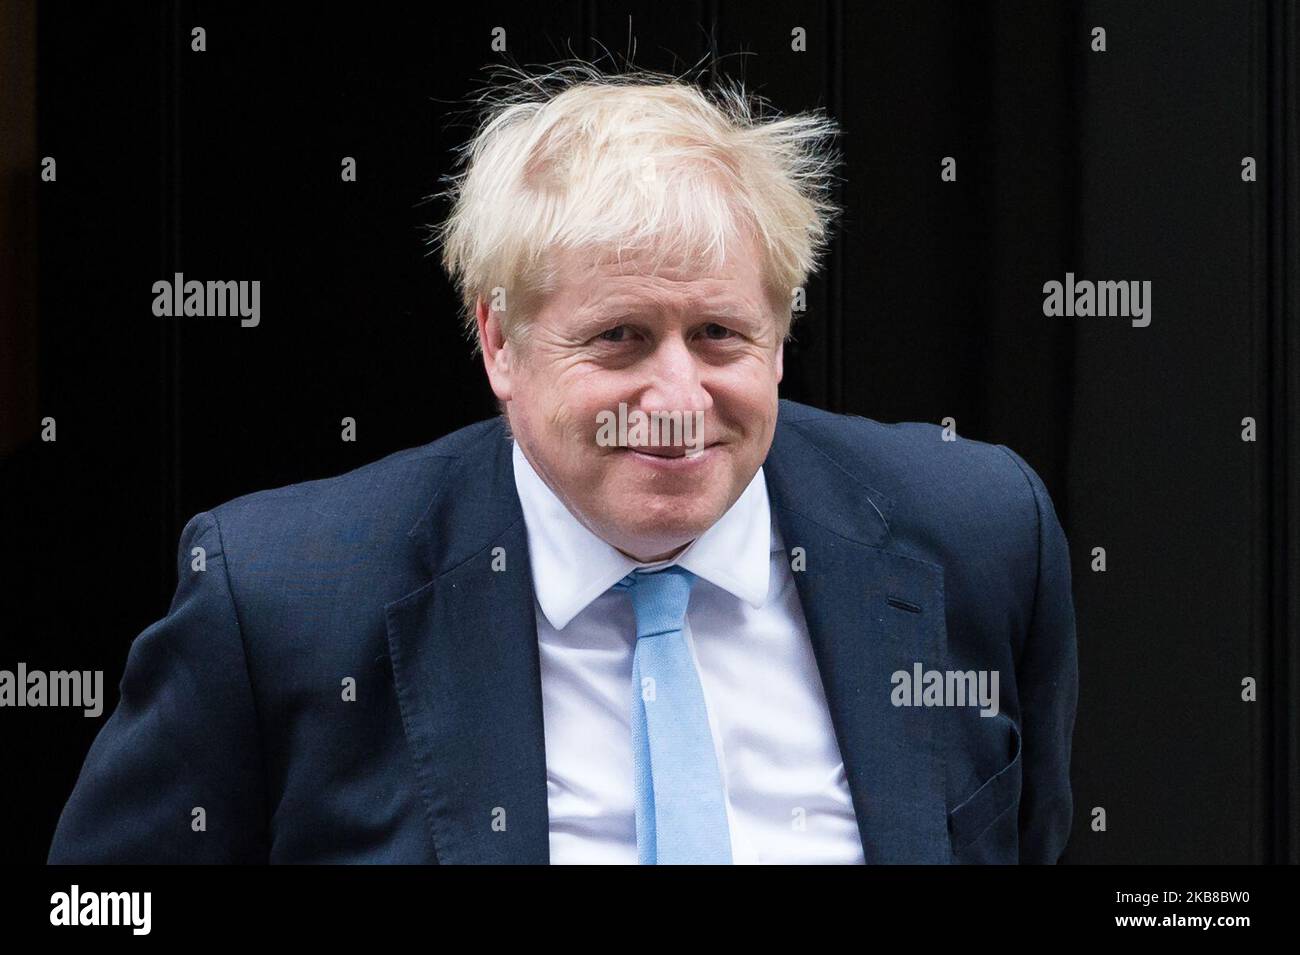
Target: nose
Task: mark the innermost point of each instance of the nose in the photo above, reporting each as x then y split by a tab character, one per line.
675	382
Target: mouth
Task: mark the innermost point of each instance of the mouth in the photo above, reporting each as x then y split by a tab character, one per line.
671	452
673	459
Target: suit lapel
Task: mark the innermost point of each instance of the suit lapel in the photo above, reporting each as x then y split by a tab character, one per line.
465	664
870	612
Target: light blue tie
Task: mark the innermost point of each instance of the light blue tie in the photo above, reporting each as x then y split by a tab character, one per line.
680	816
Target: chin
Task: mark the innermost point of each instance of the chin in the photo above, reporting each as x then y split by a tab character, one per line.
663	519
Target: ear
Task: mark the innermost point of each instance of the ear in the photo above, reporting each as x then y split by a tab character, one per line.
780	361
496	350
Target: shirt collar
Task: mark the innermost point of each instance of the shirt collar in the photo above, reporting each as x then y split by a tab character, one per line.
571	566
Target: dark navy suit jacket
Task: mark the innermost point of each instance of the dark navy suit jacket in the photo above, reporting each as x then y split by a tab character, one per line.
946	553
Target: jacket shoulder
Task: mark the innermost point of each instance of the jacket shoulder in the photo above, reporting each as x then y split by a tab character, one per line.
392	491
916	462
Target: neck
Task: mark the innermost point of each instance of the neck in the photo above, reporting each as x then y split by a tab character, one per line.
650	560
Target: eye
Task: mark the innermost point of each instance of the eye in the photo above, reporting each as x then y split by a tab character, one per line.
713	327
613	334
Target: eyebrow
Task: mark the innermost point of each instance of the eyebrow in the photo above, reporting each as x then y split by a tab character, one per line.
603	314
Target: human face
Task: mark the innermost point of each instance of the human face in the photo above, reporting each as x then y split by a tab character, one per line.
684	339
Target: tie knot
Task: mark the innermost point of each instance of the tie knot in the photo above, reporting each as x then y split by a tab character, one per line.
659	599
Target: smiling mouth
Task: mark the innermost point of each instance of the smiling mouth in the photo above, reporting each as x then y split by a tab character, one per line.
674	452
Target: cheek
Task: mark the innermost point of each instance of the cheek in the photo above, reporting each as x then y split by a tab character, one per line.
547	400
749	389
576	401
566	421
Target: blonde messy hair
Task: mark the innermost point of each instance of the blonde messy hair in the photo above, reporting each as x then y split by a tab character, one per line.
606	162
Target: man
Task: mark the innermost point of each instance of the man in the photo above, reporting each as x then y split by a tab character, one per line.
787	636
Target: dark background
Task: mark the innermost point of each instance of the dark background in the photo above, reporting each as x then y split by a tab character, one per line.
1121	165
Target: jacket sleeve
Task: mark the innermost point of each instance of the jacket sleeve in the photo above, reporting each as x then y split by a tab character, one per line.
1047	674
184	737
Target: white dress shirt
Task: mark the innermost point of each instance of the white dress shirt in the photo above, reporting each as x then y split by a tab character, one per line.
783	779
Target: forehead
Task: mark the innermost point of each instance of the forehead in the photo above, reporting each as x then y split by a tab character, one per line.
659	271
